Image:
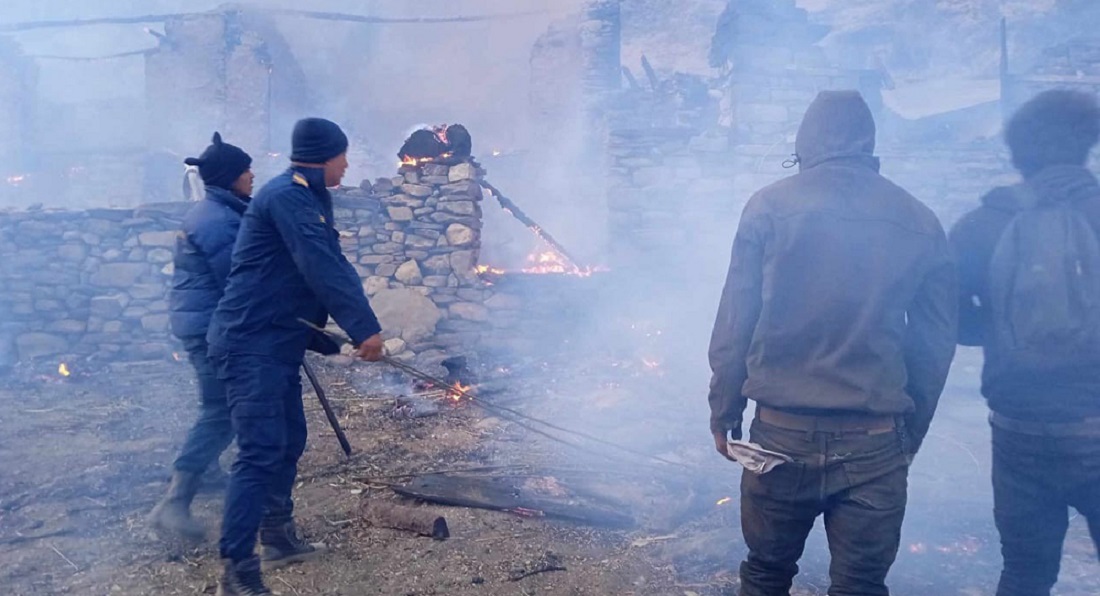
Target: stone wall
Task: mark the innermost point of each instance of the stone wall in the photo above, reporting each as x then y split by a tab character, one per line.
81	286
677	192
418	255
88	284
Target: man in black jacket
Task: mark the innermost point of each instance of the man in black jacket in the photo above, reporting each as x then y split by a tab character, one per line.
203	249
838	319
1046	423
287	265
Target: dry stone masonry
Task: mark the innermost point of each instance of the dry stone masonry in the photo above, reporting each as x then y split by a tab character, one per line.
92	285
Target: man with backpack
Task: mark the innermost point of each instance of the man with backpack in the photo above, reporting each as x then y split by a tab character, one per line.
1029	261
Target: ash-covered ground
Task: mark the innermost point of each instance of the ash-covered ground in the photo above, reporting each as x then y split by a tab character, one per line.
85	458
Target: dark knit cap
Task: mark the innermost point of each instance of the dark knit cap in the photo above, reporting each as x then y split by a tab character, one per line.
1057	127
221	164
316	140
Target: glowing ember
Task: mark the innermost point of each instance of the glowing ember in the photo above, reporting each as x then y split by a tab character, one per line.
63	370
724	500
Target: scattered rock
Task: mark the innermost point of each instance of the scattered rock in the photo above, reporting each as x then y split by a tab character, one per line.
406	313
375	284
395	345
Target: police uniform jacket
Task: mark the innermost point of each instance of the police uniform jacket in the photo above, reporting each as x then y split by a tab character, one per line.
287	265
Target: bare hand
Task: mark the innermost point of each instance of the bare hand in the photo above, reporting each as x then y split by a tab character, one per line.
720	440
371	350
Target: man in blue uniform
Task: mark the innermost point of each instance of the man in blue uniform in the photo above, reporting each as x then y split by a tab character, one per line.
203	249
287	265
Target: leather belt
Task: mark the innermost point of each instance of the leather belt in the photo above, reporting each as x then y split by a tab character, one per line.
840	423
1086	427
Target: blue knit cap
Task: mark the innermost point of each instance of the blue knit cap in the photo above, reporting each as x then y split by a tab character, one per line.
316	140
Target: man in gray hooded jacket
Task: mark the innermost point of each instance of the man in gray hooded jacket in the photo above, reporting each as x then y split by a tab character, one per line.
838	319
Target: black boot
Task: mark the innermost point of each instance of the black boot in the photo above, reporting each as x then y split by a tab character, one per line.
280	545
242	578
173	513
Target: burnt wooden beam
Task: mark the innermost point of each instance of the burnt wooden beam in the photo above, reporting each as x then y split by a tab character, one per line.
384	514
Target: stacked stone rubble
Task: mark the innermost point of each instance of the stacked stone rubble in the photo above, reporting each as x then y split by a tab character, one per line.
425	243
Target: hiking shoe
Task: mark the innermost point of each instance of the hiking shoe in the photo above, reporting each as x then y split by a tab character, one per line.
242	578
280	545
172	515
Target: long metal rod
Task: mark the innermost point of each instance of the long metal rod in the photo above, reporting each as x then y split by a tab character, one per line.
327	407
497	409
510	206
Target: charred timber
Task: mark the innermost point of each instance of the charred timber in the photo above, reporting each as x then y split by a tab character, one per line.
383	514
510	206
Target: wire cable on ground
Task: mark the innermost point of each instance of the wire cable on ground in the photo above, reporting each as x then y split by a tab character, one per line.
519	418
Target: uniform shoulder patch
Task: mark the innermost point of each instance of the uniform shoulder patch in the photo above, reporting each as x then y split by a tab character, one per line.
300	179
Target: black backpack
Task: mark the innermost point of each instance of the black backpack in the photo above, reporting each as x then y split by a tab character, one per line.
1045	288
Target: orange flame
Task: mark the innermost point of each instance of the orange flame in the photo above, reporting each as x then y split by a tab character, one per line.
457	391
487	269
551	261
419	161
724	500
63	370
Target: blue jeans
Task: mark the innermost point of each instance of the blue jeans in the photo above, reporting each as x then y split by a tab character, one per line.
1036	479
265	403
858	481
212	431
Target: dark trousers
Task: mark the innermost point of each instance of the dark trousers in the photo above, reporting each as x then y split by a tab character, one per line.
265	402
857	480
1036	479
212	431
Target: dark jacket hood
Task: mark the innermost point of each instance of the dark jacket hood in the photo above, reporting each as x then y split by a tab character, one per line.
837	125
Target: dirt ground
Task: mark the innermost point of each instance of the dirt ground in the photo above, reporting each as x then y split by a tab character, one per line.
84	459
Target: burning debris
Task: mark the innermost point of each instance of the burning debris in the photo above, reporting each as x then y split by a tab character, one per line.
443	144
